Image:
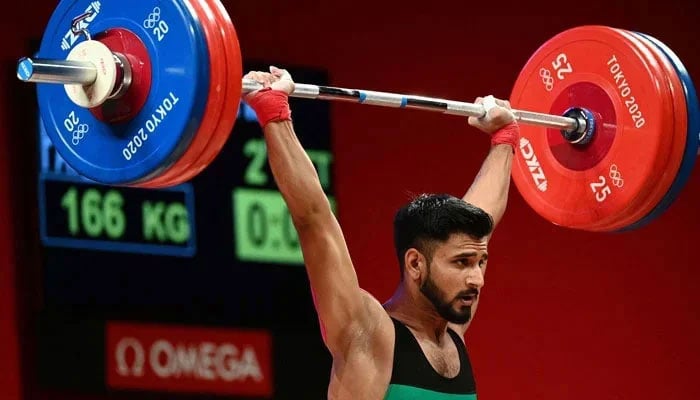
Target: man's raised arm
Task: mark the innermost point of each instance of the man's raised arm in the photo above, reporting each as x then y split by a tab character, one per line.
337	295
489	190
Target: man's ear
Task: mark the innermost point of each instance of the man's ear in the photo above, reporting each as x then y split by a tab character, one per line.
415	264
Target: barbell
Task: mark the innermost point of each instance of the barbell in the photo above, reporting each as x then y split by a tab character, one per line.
145	95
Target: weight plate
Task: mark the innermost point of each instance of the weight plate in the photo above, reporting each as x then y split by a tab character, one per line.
692	135
622	84
155	137
215	103
233	86
669	169
234	68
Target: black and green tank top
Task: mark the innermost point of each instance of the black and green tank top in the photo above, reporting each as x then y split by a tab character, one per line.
413	377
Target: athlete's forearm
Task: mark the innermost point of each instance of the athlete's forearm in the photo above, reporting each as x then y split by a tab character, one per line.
489	189
294	173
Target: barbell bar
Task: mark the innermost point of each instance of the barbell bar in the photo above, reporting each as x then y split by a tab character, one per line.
85	73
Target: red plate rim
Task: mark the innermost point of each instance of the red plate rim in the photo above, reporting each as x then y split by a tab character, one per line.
679	134
232	88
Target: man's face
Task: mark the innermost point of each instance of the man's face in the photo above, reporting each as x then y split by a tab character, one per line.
454	277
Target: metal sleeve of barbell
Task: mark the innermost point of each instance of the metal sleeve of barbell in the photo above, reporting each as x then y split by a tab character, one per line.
396	100
38	70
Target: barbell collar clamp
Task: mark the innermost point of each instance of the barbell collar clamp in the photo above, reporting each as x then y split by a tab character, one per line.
587	127
77	72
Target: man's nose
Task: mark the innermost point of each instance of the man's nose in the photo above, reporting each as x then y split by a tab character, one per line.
475	277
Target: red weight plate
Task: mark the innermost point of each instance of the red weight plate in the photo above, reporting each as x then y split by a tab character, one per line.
215	103
623	85
678	134
234	69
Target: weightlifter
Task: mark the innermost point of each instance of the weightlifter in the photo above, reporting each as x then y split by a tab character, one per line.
412	346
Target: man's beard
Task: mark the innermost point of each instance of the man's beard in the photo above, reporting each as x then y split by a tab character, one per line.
444	309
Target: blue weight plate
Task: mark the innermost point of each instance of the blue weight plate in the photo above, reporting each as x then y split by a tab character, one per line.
692	140
151	141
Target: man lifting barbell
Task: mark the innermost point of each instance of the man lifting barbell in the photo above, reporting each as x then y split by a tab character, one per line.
412	346
611	142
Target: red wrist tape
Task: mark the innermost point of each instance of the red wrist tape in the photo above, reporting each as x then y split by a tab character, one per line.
270	106
509	134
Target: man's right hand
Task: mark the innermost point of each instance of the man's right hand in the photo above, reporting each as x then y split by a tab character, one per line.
271	102
276	79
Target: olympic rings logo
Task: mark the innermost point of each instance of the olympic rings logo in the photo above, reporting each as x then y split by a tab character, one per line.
547	79
79	133
616	176
152	19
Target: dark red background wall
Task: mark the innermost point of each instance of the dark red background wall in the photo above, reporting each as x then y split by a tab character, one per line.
565	314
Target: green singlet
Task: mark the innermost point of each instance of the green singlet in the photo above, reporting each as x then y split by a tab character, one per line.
413	377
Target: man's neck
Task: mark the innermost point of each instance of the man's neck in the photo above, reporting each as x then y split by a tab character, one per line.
418	313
